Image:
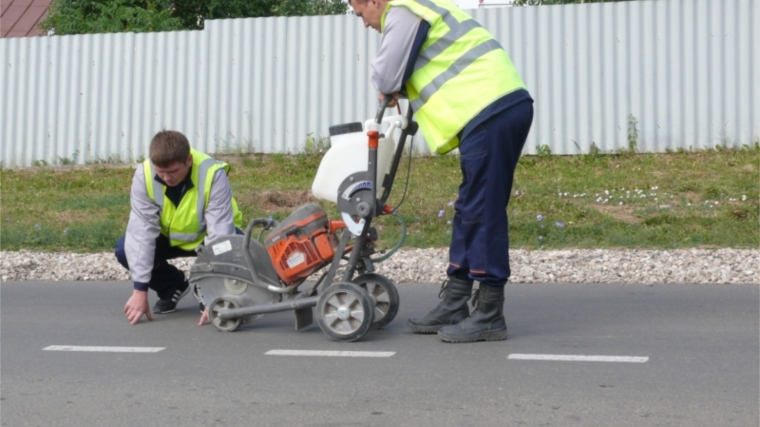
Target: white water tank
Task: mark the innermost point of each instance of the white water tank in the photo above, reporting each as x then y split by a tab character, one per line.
348	154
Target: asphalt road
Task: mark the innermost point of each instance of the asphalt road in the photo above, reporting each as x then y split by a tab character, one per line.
698	348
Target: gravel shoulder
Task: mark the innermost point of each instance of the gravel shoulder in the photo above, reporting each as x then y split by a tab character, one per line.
697	266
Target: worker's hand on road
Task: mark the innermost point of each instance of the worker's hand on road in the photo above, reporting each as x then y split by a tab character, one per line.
137	305
204	318
393	102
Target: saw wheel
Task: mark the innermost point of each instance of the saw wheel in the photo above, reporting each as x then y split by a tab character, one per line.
212	288
224	303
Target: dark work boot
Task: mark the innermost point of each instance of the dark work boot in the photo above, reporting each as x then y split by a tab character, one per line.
451	310
486	322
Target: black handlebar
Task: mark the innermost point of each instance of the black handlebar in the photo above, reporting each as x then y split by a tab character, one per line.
381	109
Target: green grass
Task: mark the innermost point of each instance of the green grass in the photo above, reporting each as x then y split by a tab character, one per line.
707	199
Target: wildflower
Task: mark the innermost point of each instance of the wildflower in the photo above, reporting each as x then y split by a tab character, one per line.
606	192
559	224
37	227
540	237
744	197
517	192
66	231
440	213
539	217
451	203
448	222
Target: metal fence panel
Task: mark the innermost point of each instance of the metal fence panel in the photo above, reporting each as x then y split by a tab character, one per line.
681	73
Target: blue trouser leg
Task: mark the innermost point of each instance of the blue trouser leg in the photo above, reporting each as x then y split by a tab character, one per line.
488	157
164	278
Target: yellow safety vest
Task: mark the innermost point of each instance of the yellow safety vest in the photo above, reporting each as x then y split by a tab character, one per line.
185	225
461	69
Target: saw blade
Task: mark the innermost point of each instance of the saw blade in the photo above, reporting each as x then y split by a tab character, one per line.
210	288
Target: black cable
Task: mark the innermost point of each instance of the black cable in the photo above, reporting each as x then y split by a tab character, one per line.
408	174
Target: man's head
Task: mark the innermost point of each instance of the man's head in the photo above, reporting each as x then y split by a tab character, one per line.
170	155
370	11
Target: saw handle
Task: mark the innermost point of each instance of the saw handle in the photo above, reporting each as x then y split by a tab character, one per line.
266	223
381	109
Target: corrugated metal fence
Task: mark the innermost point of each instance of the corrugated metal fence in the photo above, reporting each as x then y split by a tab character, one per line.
687	72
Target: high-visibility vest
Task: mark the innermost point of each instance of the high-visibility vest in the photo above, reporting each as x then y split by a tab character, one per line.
185	225
461	69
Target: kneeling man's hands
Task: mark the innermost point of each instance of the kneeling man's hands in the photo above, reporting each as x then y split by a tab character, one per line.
204	318
137	305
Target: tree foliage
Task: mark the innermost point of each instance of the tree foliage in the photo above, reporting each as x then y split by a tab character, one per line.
93	16
113	16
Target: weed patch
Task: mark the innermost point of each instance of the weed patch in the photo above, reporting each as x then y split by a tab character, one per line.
633	200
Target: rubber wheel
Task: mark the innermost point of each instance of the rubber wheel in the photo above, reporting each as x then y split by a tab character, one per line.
344	312
382	290
219	304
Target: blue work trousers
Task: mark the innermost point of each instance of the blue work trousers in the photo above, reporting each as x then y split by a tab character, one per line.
488	157
164	278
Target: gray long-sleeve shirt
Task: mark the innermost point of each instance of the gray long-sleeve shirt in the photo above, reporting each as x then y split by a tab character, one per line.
144	223
389	64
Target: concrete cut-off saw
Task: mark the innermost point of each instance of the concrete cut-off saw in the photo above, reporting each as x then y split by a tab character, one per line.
239	279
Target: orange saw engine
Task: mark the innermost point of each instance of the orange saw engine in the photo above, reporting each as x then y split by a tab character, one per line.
303	243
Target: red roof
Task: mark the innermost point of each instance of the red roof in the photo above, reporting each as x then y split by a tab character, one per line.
19	18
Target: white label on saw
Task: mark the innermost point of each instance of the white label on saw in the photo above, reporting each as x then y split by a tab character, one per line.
296	259
221	248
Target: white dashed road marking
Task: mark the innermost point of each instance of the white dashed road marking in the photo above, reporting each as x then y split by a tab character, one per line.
104	349
578	358
330	353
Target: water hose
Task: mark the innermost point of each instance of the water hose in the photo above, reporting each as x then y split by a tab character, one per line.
398	244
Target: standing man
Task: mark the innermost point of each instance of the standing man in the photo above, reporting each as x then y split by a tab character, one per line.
466	94
179	197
